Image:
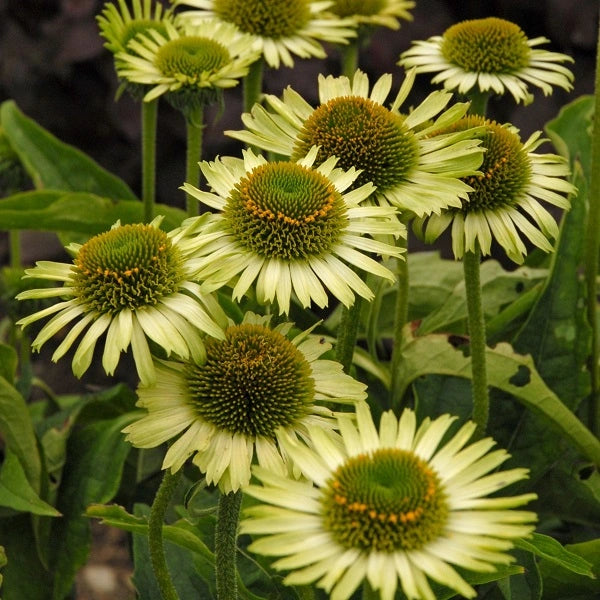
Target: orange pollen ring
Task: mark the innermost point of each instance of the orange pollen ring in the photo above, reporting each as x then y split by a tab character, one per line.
262	213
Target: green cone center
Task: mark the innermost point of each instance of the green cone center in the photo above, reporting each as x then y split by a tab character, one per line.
348	8
265	18
506	168
284	210
252	382
362	134
127	267
191	57
489	45
385	501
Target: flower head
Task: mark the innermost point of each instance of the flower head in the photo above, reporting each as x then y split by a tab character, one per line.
506	197
281	28
251	387
410	169
191	66
489	55
133	283
287	225
384	13
387	506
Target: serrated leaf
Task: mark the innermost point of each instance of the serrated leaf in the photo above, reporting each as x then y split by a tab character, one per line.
552	550
508	371
78	212
17	493
52	164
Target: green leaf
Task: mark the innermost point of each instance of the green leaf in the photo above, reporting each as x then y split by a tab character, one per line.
552	550
571	131
24	576
563	584
498	288
95	457
19	436
507	371
79	212
177	532
52	164
2	562
8	362
17	493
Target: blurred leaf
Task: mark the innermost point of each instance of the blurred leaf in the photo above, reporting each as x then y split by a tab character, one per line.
17	493
19	436
552	550
8	363
92	473
52	164
24	576
563	584
79	212
2	562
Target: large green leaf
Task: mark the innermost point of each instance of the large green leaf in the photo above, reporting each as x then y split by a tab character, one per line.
16	491
95	457
18	433
8	362
508	371
52	164
79	212
564	584
24	576
553	551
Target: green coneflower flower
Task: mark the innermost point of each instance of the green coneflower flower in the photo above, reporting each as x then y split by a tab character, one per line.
191	66
253	386
388	506
280	28
119	25
384	13
133	283
489	55
289	226
506	197
410	169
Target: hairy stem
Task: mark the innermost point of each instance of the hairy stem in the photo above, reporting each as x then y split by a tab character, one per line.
228	515
149	120
155	538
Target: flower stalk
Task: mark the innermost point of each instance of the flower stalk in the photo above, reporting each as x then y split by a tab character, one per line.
193	155
476	325
155	537
149	121
347	334
253	84
400	319
228	516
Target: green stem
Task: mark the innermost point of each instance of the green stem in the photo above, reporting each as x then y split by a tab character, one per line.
149	120
228	515
155	539
347	333
400	320
476	323
591	258
253	84
349	55
192	158
14	243
479	102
